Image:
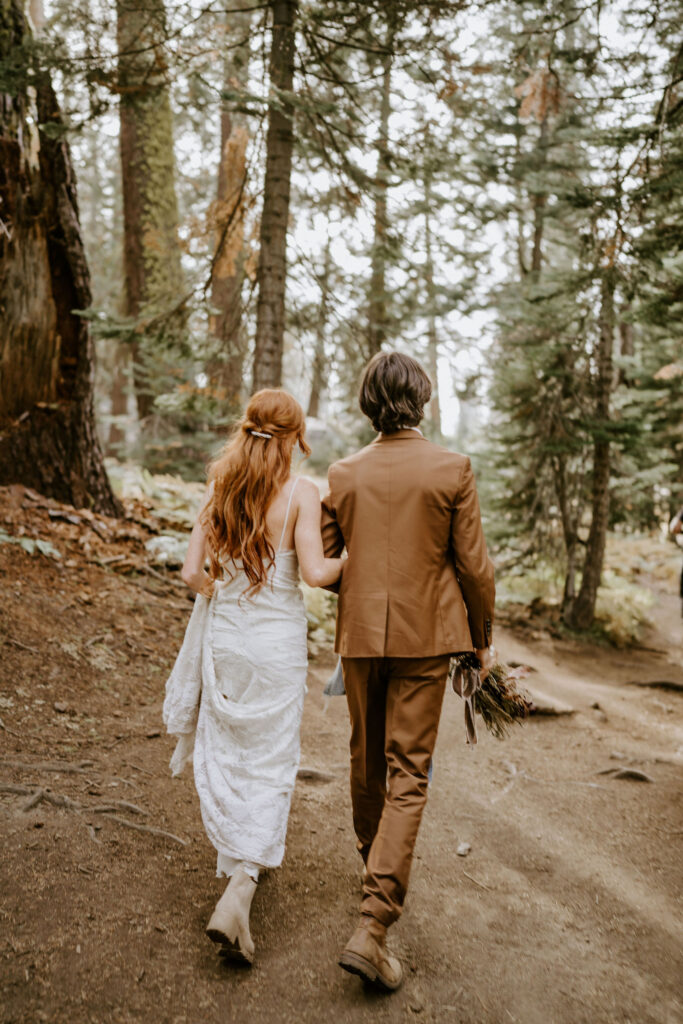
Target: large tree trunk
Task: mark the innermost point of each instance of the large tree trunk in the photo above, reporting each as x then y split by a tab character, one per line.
151	255
226	366
47	425
582	611
377	300
272	271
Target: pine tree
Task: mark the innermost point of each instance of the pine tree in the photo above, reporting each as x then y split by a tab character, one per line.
657	376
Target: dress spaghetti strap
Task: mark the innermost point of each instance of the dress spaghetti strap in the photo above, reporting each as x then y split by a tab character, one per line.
289	505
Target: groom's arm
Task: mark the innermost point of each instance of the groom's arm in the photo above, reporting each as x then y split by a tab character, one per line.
472	563
333	540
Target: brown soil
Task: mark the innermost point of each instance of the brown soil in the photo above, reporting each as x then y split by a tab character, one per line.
565	910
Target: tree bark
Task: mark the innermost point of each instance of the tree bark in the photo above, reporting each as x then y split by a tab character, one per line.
48	439
377	303
226	366
582	612
151	255
272	270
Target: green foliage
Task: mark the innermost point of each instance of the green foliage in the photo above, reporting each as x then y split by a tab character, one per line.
584	265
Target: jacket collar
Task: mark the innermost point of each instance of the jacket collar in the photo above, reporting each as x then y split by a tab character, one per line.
404	434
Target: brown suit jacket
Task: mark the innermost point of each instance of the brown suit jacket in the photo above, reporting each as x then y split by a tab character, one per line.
418	580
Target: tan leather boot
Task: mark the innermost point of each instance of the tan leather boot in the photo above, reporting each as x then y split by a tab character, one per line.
229	922
365	954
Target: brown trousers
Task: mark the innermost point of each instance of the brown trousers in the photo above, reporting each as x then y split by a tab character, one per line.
395	706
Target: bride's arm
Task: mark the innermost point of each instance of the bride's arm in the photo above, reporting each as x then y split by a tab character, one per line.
316	570
193	572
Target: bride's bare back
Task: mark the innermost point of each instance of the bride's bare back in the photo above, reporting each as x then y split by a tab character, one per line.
302	533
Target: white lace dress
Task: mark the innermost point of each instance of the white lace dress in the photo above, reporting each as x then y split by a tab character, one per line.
234	699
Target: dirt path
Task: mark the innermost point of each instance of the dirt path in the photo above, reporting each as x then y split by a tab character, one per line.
564	911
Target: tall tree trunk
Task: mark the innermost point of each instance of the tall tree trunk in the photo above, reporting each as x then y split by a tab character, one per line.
48	439
119	397
521	211
432	337
569	532
583	610
377	300
116	356
151	255
539	201
319	358
272	270
226	366
626	340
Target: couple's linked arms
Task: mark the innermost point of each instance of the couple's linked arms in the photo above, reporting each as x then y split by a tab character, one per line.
316	570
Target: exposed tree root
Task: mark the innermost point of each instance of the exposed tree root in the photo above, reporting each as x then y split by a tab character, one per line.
37	796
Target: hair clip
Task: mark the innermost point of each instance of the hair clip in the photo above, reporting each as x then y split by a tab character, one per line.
257	433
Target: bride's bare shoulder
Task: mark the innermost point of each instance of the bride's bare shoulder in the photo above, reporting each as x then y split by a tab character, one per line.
307	489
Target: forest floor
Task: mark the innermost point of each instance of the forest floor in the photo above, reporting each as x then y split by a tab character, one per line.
563	912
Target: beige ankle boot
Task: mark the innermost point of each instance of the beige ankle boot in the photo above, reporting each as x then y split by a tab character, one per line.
366	954
229	922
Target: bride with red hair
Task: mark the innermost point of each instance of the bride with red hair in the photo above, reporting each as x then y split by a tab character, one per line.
235	695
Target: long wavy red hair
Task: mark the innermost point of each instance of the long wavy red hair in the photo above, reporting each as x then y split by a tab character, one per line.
247	475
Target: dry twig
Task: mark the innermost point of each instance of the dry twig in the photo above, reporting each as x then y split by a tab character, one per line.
120	805
34	800
10	731
18	643
146	828
480	884
138	768
48	766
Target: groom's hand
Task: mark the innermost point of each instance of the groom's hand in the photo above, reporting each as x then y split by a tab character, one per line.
485	656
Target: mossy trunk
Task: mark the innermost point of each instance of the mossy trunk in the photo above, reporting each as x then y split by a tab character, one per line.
226	365
272	269
48	439
151	254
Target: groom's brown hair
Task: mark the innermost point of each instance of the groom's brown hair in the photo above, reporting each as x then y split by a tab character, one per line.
394	390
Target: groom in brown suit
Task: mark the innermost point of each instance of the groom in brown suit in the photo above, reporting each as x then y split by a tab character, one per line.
417	587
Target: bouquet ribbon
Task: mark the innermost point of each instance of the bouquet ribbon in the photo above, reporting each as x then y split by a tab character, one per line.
466	681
